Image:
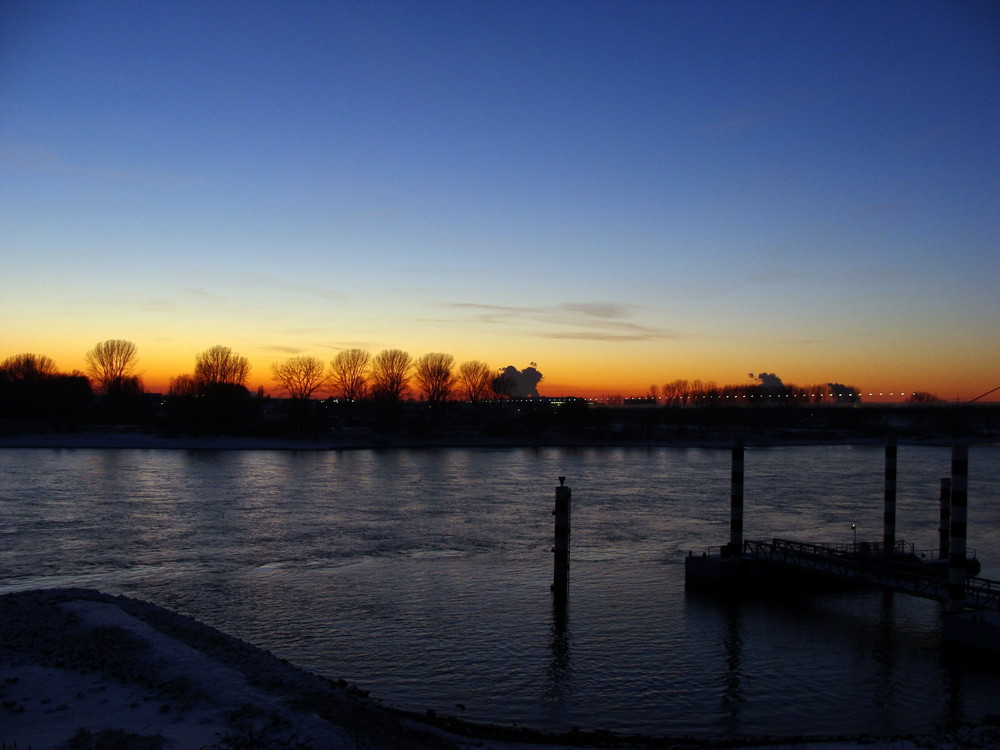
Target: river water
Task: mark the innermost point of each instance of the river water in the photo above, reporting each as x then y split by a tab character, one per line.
423	575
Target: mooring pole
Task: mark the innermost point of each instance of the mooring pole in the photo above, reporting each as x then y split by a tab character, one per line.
944	530
736	500
889	507
959	516
561	547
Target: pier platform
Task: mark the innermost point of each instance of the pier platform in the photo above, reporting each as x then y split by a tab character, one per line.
946	575
776	563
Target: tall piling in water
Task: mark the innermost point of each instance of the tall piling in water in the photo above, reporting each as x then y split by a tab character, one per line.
889	506
560	579
959	517
735	547
944	527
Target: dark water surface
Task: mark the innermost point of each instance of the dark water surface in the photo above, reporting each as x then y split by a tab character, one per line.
423	575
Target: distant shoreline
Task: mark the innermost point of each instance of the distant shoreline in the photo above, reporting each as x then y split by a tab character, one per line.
127	439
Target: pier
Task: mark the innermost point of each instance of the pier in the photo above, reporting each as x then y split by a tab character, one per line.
971	605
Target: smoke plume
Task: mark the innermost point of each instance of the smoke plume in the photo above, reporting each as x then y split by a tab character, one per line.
522	383
769	380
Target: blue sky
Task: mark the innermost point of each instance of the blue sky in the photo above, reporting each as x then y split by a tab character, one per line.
624	192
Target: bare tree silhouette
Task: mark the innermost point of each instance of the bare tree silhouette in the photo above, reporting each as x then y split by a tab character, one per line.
434	373
220	366
111	364
475	378
300	377
182	386
31	387
28	367
390	374
676	391
350	374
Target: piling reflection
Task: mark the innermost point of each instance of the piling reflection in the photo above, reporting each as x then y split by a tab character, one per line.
560	610
559	672
559	669
732	692
954	689
885	652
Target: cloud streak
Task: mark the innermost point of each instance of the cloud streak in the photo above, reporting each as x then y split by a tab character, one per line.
220	293
35	158
580	321
738	124
282	349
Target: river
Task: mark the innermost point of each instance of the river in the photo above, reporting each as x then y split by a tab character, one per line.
423	576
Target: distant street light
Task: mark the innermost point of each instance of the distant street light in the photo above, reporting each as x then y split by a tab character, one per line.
854	528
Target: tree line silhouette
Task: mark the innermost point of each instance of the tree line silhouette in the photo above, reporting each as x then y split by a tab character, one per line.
389	391
215	395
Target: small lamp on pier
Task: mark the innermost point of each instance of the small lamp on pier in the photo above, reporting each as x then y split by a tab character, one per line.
854	528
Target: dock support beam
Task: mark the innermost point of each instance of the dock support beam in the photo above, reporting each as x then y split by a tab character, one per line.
889	507
959	517
944	528
560	580
736	500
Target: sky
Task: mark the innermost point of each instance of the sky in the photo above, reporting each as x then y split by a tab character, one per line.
625	193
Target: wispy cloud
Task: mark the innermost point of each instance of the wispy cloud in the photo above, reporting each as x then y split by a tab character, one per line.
320	292
584	321
205	295
925	138
258	284
281	349
29	157
635	333
156	305
733	126
32	157
341	346
603	310
883	208
123	304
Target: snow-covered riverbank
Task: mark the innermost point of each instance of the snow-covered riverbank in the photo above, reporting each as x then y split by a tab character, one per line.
80	663
83	669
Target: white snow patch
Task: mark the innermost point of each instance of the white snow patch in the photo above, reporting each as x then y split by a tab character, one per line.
74	660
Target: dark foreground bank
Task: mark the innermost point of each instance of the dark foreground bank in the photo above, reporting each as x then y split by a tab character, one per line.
83	669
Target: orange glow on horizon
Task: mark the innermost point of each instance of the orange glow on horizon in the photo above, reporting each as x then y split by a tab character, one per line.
570	375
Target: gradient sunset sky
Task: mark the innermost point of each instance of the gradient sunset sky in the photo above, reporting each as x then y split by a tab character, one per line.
624	192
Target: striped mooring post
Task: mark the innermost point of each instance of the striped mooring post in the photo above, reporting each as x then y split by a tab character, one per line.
959	518
560	579
889	506
736	500
944	528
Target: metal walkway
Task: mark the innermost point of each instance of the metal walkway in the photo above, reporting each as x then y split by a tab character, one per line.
866	563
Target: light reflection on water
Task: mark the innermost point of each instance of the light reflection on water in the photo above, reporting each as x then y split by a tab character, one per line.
424	575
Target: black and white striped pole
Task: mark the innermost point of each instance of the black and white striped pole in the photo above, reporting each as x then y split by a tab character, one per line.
959	522
560	580
889	506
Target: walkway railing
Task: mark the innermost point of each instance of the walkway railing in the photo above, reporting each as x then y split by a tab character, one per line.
867	563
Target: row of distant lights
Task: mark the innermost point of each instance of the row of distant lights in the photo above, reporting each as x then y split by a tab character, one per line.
785	395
